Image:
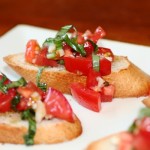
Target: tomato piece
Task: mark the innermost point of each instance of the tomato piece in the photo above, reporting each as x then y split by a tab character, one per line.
23	104
5	100
88	47
106	52
26	93
92	80
42	60
105	66
78	65
35	55
57	105
98	34
107	93
32	49
86	97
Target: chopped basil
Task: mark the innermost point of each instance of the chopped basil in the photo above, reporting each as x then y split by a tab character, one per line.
13	84
29	115
61	37
96	62
42	86
132	127
15	101
77	47
63	31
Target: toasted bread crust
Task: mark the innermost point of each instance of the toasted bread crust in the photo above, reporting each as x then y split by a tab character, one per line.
129	82
50	133
111	142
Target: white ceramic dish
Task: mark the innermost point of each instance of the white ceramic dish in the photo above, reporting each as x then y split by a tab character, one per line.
113	117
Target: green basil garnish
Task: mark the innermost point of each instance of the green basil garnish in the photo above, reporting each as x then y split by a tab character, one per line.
42	86
29	115
13	84
15	101
96	62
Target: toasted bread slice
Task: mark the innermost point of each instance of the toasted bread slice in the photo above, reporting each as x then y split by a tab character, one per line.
13	129
129	80
112	142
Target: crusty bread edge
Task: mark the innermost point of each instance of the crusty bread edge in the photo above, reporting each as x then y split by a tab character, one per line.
54	132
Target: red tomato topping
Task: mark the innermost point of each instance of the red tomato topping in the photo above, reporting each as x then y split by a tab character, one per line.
106	52
105	66
86	97
107	93
5	100
92	80
35	55
78	65
57	105
88	47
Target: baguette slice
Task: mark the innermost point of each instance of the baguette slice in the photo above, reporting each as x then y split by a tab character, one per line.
129	80
13	129
112	142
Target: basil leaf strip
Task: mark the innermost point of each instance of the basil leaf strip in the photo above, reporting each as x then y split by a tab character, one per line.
15	101
42	86
96	62
3	89
13	84
29	115
63	31
77	47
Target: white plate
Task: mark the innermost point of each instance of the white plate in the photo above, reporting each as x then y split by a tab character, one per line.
113	117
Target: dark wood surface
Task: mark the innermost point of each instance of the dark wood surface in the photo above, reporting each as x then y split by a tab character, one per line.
123	20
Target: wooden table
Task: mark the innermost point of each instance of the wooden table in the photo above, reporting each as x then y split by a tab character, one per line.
123	20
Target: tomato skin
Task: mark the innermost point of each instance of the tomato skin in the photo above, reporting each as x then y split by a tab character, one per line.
32	49
78	65
106	52
91	80
86	97
57	105
88	47
107	93
35	55
105	67
98	34
5	100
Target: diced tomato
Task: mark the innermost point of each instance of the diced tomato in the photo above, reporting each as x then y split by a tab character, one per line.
32	49
57	105
26	93
92	80
35	55
88	47
105	66
106	52
23	104
78	65
98	34
5	100
107	93
67	50
86	97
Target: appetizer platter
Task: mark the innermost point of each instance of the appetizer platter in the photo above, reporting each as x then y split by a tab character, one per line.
109	114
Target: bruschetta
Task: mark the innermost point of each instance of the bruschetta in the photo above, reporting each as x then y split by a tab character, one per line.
76	64
137	137
69	59
32	115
